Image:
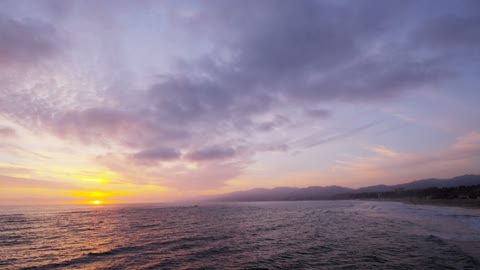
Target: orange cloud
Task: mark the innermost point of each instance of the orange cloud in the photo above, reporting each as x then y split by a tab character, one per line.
387	165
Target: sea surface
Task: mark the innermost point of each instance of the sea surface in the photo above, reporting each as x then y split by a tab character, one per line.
261	235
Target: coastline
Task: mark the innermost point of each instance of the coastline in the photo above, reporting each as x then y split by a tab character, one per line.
450	203
453	203
470	248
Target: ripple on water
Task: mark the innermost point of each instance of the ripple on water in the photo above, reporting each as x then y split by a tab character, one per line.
287	235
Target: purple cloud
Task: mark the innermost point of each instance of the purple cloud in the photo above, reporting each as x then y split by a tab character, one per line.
314	140
159	154
211	153
7	132
212	175
96	125
9	181
26	41
451	31
257	68
317	113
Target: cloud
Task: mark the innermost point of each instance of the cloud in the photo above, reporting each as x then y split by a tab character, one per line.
14	170
26	41
211	153
208	176
451	31
314	140
256	70
96	125
159	154
318	113
467	147
314	51
461	157
183	175
7	132
18	151
381	150
19	182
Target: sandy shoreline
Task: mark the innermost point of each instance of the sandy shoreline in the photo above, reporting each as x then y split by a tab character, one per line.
452	203
471	248
456	203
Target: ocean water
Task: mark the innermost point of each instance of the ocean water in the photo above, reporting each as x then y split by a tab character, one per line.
264	235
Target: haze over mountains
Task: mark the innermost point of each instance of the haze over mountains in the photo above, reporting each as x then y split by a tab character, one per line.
329	192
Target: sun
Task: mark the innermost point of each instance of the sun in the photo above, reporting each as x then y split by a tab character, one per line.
97	202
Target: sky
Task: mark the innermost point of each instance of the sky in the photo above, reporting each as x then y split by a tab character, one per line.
152	101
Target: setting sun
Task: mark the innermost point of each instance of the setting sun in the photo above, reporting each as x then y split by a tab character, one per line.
96	202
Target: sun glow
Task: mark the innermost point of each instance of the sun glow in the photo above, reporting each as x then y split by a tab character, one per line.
97	202
95	180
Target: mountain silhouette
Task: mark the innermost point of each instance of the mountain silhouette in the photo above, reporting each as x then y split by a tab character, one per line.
330	192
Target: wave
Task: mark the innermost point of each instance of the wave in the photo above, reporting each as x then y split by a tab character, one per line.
292	235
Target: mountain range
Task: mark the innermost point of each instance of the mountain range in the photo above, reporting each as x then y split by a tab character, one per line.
330	192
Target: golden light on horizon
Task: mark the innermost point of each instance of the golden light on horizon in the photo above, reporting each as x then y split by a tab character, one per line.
95	180
98	197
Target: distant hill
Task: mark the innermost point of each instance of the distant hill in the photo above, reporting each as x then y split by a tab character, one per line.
331	192
259	194
284	194
464	180
317	193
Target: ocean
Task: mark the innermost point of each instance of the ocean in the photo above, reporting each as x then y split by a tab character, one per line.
254	235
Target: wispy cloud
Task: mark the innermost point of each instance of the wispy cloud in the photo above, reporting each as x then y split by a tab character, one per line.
19	182
461	157
7	132
187	95
314	140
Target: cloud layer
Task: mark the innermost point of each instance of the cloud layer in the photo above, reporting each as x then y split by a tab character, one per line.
189	93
